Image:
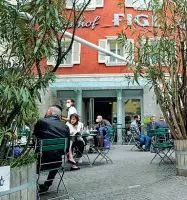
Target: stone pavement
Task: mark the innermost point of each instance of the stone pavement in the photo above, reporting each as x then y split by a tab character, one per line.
130	177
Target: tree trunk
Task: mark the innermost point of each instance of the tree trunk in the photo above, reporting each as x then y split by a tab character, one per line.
181	157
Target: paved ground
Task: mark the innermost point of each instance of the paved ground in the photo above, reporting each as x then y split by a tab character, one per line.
130	177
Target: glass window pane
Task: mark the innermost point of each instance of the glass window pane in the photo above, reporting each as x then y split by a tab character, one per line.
141	4
68	57
116	48
132	107
112	59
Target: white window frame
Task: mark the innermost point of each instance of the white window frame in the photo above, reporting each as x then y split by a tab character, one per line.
51	61
71	51
93	5
108	63
90	6
133	4
153	39
117	63
14	2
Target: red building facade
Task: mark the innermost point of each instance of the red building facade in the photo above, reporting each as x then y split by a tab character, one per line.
96	81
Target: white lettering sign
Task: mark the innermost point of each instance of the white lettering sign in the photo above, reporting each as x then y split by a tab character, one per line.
140	20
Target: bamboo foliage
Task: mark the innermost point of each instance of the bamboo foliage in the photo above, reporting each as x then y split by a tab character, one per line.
161	58
28	30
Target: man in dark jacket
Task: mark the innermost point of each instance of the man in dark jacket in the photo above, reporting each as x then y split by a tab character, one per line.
51	127
152	125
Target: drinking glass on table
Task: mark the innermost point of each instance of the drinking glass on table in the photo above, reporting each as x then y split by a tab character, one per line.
84	131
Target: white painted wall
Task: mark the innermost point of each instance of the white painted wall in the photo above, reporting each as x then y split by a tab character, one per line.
48	99
150	105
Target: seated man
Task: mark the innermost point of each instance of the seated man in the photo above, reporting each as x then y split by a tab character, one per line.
161	123
152	125
51	127
103	125
144	139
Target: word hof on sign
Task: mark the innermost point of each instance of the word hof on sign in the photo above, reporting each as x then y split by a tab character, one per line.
83	24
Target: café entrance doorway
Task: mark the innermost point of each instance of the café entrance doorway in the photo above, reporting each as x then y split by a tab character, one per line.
99	106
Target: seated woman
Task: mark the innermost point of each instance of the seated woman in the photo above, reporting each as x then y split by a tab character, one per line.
75	129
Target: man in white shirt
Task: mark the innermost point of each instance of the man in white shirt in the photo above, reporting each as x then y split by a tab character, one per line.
70	104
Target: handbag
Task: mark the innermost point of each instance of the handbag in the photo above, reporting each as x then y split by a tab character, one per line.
100	141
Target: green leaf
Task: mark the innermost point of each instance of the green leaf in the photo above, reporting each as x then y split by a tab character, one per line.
35	49
38	42
1	138
136	78
8	134
6	91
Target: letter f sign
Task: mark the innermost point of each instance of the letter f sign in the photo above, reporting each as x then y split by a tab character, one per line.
117	19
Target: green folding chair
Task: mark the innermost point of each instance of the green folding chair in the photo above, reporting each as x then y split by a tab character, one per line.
163	147
24	133
110	133
103	151
48	145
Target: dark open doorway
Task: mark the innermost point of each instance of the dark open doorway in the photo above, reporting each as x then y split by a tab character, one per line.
101	106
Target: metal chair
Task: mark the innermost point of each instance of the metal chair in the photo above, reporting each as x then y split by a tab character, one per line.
102	152
24	133
110	134
135	140
162	145
49	145
84	154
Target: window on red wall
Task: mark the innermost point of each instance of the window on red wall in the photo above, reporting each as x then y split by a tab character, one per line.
157	52
139	4
72	58
111	44
92	5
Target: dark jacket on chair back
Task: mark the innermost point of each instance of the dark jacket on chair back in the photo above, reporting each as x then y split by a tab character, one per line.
52	128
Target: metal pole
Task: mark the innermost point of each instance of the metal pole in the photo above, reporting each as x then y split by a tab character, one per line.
93	46
79	102
119	115
82	41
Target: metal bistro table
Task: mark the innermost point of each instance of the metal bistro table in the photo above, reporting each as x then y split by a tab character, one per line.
101	152
84	135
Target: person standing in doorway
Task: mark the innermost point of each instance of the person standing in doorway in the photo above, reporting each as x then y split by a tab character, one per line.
70	104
